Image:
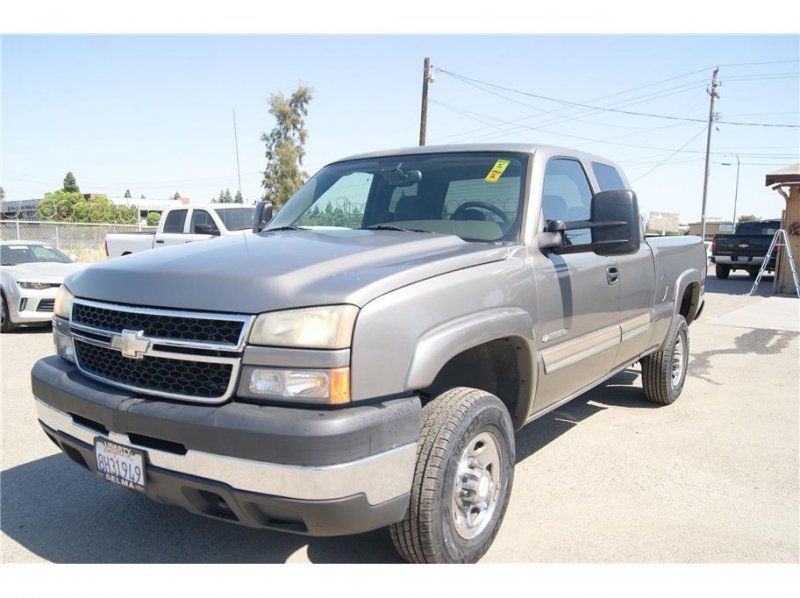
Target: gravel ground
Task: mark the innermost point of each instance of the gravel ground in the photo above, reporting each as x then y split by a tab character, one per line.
607	478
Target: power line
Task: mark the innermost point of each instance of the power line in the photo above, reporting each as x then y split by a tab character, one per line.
681	148
684	87
476	116
608	109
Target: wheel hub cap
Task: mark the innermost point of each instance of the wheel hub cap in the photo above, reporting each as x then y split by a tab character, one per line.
677	362
477	485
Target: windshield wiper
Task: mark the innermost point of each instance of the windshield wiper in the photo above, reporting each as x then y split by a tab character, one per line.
287	227
393	227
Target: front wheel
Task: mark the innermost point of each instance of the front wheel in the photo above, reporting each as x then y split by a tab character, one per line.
5	318
664	372
462	479
721	271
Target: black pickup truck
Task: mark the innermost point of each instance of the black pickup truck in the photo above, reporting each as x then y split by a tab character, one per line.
745	249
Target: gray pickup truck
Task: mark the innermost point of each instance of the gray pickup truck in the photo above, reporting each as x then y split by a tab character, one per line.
365	359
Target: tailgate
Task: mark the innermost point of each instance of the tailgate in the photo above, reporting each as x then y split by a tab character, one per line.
744	245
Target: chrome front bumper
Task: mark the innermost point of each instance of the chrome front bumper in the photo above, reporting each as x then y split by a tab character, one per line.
381	477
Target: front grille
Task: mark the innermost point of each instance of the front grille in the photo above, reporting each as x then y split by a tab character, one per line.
171	327
154	374
46	305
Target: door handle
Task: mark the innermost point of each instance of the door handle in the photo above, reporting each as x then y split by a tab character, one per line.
612	275
159	240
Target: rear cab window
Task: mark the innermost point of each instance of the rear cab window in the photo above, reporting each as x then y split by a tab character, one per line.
607	177
175	221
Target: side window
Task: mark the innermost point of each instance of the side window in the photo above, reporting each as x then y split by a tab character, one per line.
204	219
342	204
174	222
607	177
567	196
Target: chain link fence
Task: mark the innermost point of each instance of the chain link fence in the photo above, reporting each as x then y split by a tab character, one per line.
84	241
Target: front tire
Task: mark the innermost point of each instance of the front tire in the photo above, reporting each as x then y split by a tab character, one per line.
5	319
722	272
462	479
664	372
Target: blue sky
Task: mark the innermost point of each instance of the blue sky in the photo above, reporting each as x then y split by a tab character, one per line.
153	114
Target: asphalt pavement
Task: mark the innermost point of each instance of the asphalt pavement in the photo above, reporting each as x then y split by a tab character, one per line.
607	478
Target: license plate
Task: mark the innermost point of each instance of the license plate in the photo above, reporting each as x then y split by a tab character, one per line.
120	464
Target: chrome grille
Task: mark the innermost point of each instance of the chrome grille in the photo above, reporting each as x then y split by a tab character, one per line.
175	354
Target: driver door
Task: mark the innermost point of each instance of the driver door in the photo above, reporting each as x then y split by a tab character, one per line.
578	296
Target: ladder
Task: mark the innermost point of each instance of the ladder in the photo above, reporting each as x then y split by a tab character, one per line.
780	233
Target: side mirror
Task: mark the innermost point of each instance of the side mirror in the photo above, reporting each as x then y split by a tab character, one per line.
616	227
614	223
206	229
262	216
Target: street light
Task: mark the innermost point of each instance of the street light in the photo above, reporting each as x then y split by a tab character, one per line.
736	194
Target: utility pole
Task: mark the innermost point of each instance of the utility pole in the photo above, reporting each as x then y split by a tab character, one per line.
236	141
714	95
736	193
423	117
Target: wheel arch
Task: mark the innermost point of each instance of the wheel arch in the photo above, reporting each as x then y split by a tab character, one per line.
490	350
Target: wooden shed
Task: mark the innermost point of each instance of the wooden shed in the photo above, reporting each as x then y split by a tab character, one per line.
787	183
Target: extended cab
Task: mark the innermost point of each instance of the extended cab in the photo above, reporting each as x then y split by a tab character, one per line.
745	249
365	360
184	224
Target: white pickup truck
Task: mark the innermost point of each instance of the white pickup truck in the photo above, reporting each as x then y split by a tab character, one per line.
184	224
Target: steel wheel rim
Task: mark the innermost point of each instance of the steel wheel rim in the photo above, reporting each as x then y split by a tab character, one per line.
678	361
477	485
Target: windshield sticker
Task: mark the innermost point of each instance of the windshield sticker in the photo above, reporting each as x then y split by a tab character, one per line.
497	171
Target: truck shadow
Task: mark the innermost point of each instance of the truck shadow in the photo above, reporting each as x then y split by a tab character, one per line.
623	390
64	514
739	283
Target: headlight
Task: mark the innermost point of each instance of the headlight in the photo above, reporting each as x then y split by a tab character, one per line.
63	305
34	286
329	327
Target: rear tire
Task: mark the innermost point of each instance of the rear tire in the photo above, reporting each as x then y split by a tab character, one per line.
462	479
664	372
721	271
752	274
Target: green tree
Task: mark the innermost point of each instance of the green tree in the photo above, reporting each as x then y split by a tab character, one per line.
152	218
177	195
70	184
747	218
63	206
127	194
2	194
224	197
238	198
142	196
285	145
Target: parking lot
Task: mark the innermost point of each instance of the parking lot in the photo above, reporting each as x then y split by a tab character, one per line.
606	478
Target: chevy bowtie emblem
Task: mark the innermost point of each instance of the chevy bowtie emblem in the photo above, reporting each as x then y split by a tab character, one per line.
131	343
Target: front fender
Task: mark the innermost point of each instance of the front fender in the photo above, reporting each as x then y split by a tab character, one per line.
440	344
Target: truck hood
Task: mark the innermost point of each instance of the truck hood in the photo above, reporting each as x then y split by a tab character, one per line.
279	270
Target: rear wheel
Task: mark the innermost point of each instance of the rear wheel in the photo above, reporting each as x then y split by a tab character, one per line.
664	372
462	480
721	271
752	272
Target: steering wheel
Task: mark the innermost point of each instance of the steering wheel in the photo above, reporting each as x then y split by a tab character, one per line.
481	206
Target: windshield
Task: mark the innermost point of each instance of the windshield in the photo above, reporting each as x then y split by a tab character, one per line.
475	195
11	255
237	218
770	227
